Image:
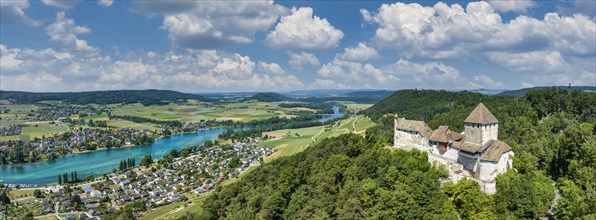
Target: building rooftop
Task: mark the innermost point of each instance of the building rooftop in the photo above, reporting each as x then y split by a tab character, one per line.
481	115
443	134
412	125
494	151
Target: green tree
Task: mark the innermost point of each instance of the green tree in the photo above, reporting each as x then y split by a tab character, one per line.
146	161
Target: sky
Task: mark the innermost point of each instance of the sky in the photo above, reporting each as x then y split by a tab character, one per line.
257	45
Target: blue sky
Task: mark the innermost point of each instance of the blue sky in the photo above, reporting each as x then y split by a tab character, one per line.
203	46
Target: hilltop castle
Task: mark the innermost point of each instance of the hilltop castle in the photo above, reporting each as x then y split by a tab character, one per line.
477	153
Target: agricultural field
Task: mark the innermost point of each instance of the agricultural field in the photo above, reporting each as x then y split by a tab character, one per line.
296	140
14	112
242	111
35	130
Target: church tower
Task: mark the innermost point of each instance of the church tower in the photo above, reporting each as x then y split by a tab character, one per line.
481	126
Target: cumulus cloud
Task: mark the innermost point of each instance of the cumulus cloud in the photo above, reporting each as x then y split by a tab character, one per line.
62	4
192	71
444	31
402	74
64	31
299	60
302	30
105	3
212	24
535	61
14	11
519	6
359	53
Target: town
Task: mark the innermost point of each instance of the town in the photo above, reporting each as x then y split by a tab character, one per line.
192	170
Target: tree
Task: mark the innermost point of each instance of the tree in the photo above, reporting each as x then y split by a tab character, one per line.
208	144
4	199
59	179
37	193
146	161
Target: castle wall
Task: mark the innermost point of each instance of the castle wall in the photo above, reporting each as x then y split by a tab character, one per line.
490	132
490	170
450	153
410	139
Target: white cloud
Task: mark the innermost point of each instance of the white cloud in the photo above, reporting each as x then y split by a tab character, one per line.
402	74
444	31
302	30
487	82
64	31
519	6
105	3
14	11
62	4
358	75
536	61
213	24
192	71
299	60
270	68
359	53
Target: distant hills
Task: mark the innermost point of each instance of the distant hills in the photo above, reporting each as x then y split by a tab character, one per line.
524	91
269	97
145	97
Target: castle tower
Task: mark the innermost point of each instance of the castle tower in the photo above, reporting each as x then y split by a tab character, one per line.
481	126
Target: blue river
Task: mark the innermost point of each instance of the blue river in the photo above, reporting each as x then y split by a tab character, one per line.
98	162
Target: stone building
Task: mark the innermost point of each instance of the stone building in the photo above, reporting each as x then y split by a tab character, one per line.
477	153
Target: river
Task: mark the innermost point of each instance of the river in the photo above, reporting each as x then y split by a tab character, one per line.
98	162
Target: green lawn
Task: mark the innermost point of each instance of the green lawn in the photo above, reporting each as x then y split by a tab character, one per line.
172	211
20	193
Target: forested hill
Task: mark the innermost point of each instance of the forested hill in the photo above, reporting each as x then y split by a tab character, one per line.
269	97
423	104
522	92
145	97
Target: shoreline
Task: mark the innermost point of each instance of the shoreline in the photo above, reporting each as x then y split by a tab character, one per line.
100	149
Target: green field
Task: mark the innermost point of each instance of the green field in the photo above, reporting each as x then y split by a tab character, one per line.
242	111
293	144
177	209
35	130
13	194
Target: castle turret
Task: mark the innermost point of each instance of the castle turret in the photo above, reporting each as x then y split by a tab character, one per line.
481	126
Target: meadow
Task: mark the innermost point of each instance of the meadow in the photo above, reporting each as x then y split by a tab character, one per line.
240	111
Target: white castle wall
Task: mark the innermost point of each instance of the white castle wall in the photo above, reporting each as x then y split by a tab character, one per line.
410	139
489	170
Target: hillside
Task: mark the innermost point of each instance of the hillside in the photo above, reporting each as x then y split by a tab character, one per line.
146	97
423	104
269	97
524	91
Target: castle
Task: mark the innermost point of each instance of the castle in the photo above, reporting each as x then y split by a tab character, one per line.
477	153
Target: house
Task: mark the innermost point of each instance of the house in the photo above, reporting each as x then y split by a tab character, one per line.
477	153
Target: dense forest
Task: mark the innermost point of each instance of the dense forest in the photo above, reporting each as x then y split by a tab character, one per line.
552	131
524	91
145	97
